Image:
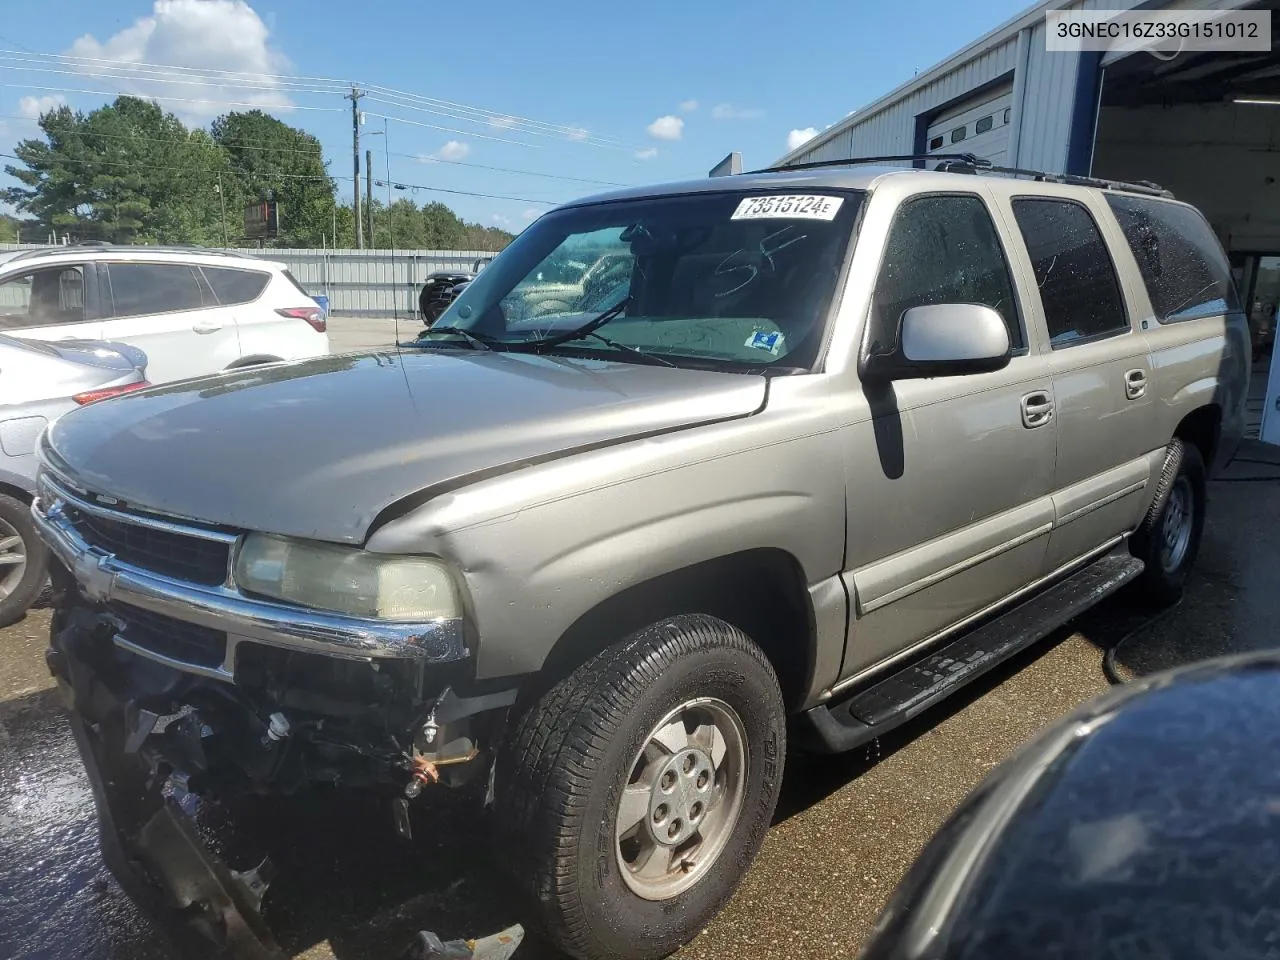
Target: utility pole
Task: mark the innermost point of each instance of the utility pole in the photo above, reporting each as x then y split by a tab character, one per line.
354	96
226	242
368	190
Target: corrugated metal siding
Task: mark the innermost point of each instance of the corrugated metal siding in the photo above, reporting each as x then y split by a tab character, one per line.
370	283
892	130
1049	100
1047	110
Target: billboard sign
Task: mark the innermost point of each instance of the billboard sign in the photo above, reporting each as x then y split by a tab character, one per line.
262	220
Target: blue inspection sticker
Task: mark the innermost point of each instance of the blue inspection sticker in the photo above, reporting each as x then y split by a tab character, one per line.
765	340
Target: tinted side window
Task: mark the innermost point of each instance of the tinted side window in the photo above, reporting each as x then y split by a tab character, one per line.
1077	280
1181	261
140	288
41	298
941	250
235	286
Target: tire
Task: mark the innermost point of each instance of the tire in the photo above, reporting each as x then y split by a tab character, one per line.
19	590
1168	539
561	777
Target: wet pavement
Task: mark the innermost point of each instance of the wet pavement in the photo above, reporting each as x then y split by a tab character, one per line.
847	829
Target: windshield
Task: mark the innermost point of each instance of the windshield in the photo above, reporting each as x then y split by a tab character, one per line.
727	279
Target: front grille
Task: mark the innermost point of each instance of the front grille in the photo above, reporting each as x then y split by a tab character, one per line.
160	551
176	639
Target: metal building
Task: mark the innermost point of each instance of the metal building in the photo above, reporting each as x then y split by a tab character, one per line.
1204	124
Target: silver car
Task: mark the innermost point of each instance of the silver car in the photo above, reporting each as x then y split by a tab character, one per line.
38	383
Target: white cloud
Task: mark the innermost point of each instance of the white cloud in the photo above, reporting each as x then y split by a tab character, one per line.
35	107
577	133
727	111
648	153
688	106
453	150
797	138
666	128
502	123
530	213
500	219
224	35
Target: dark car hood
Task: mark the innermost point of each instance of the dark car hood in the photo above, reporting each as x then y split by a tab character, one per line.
319	448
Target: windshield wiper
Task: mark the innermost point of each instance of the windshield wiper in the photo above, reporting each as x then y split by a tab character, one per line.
588	328
648	357
479	341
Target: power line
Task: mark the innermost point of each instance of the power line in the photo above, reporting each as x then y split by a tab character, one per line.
497	119
208	71
269	148
238	143
464	193
116	93
194	81
527	173
435	126
308	85
298	176
156	166
525	130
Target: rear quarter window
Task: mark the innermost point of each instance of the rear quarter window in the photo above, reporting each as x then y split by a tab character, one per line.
232	286
1182	264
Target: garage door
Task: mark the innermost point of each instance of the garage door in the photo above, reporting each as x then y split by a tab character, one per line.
979	126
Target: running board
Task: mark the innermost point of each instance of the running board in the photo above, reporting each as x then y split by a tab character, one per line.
873	711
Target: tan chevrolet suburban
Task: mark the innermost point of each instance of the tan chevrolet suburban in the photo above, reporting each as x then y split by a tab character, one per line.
835	442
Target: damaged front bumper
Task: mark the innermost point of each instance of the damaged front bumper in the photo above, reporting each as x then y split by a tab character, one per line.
185	695
149	840
155	747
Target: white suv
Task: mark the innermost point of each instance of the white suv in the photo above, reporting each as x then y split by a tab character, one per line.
192	311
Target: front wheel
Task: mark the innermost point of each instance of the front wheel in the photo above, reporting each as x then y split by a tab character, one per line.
1168	539
633	796
23	560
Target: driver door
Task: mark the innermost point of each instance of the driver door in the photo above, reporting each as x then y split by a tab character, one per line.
949	484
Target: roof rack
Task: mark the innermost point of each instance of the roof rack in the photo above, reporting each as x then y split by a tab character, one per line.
133	248
968	159
971	163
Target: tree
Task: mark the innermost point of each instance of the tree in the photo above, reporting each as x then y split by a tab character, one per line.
127	172
269	158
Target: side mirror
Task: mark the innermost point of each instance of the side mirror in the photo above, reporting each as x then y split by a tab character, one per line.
943	340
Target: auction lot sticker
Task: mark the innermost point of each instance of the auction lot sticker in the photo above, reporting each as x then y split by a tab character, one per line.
791	206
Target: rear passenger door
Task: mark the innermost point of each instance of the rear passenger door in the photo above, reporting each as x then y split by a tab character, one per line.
1099	362
168	311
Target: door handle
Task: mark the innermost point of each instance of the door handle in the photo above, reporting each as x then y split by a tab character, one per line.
1135	384
1037	409
206	326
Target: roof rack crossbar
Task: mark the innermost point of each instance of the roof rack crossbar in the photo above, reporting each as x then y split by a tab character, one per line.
967	159
1144	187
971	163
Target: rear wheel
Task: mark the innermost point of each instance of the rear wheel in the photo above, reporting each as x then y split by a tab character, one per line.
632	797
1168	539
23	560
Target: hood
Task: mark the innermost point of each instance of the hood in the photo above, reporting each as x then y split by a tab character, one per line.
319	448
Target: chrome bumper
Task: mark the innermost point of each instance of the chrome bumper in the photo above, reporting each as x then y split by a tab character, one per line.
102	577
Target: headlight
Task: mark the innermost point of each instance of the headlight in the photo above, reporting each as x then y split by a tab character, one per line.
345	579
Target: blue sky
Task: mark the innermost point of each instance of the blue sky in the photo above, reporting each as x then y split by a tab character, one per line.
621	93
